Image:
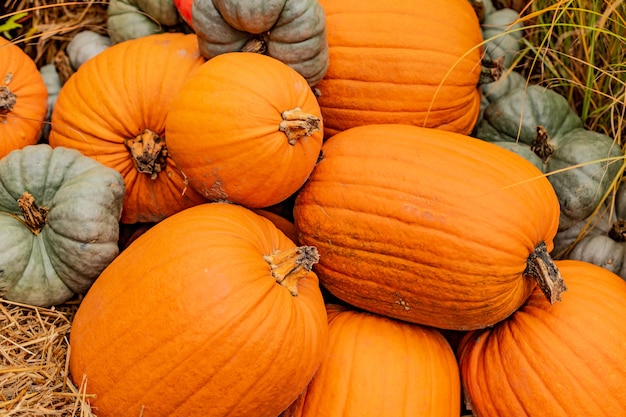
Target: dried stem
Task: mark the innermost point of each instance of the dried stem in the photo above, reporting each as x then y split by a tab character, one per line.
148	151
34	215
291	265
297	124
541	267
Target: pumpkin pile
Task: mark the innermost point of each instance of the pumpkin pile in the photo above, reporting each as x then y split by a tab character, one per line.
281	209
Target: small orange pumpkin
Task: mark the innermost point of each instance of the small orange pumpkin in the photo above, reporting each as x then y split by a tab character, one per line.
401	62
23	99
428	226
245	128
113	109
562	360
198	317
375	366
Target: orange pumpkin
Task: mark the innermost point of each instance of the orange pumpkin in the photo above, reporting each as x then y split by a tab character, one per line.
375	366
113	109
428	226
190	320
401	62
23	99
562	360
246	128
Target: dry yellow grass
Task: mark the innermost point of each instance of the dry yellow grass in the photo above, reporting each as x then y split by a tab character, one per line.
34	358
50	24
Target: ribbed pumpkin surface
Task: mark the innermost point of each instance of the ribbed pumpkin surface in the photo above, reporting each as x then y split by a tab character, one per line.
229	129
188	321
401	62
23	99
561	360
425	225
115	97
375	366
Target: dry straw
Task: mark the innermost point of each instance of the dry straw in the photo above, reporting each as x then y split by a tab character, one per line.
49	25
34	357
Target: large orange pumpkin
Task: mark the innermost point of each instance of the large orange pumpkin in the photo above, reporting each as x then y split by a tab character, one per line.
245	128
113	109
190	320
401	62
23	99
375	366
562	360
428	226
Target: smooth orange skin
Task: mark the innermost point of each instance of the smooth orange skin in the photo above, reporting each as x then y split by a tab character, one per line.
116	95
223	130
401	62
284	225
188	321
561	360
22	125
425	225
375	366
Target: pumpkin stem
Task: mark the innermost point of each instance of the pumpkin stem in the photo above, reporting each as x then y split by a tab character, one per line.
34	216
256	44
297	124
491	70
149	152
7	99
541	267
291	265
618	231
541	145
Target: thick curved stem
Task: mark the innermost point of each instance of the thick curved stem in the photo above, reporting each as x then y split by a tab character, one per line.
34	215
290	266
297	124
541	267
149	152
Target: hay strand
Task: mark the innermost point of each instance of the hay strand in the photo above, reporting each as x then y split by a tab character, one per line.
34	362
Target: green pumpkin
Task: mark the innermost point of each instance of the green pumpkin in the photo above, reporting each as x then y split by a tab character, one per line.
59	223
540	120
131	19
293	32
85	45
501	29
502	32
53	85
600	239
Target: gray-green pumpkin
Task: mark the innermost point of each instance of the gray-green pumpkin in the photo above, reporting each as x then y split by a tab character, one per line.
600	239
131	19
53	85
539	124
292	31
85	45
59	223
502	32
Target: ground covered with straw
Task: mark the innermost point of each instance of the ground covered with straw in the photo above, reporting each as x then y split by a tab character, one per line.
34	362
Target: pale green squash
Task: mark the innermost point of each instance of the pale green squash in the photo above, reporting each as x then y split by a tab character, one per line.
58	246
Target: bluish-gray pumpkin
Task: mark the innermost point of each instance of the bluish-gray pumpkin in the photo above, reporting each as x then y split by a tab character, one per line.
600	239
292	31
539	124
59	223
